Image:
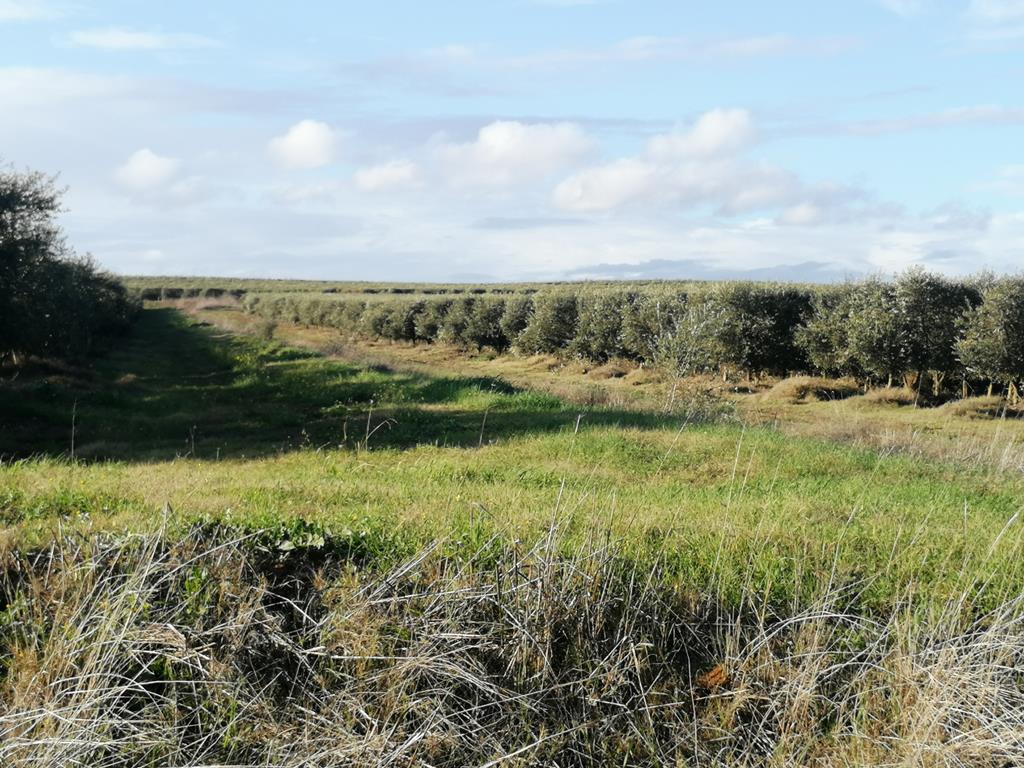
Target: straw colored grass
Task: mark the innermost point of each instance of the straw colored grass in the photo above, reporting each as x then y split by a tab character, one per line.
215	650
802	389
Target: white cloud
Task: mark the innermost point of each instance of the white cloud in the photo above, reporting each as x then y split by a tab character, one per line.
689	167
801	214
123	39
27	10
307	144
507	152
25	89
979	114
323	193
718	132
396	174
145	171
703	167
607	186
652	48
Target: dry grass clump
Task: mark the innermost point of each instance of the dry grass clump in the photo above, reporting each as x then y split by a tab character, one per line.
543	363
645	374
138	652
202	303
889	396
803	389
984	407
613	369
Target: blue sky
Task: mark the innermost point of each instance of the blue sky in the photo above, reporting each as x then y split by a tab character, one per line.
525	139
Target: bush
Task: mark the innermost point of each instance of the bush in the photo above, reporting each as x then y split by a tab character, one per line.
552	325
456	321
518	311
599	326
824	338
483	326
991	340
376	320
52	301
928	309
645	318
694	342
906	330
430	321
758	327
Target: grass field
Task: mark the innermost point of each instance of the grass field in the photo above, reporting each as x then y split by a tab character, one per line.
816	581
231	428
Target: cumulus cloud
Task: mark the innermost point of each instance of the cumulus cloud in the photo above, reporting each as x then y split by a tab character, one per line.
124	39
396	174
608	186
702	166
307	144
718	132
508	152
145	171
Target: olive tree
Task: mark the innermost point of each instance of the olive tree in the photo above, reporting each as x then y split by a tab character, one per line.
552	325
824	335
928	309
991	341
483	326
52	302
518	310
757	326
693	342
646	317
598	335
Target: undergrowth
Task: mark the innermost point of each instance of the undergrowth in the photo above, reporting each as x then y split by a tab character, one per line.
217	649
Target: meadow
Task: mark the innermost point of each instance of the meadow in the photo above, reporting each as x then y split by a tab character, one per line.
241	542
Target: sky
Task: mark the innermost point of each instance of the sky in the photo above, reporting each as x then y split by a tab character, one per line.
525	139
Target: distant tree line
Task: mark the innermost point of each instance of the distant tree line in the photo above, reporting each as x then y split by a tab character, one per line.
52	302
919	330
172	288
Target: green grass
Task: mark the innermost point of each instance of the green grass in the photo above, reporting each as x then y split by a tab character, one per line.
236	431
182	389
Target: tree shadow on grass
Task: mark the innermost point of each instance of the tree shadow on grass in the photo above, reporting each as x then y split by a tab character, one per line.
177	388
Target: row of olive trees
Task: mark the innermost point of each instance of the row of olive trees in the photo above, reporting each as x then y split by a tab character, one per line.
52	303
743	327
916	329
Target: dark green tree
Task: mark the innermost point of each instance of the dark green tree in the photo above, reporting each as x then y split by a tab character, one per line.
991	341
52	302
552	325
